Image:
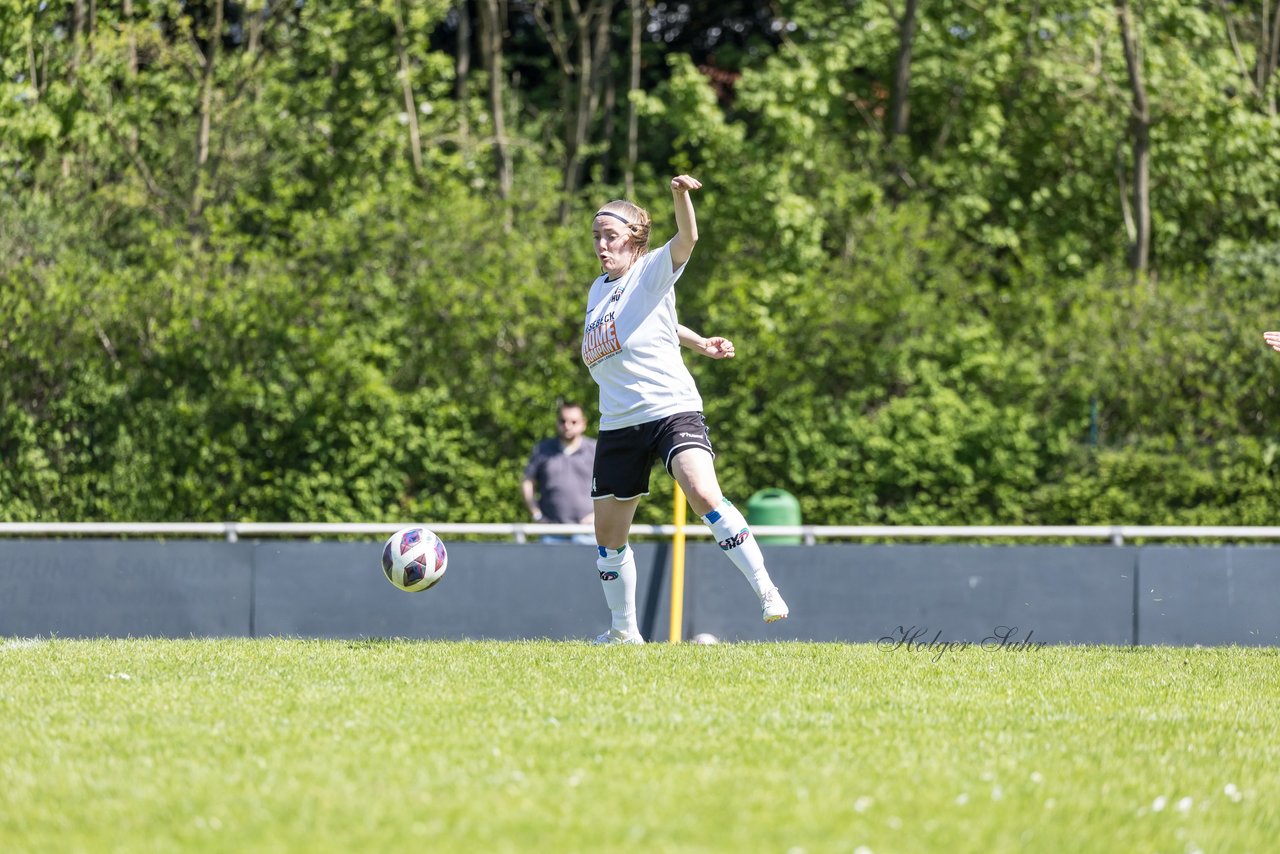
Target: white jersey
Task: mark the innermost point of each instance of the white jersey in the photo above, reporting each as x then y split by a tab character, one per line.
630	345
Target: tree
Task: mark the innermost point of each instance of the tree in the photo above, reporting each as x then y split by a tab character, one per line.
637	10
208	67
1263	31
492	14
900	100
1140	129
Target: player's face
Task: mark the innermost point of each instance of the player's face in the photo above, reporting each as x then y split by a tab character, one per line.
613	246
572	423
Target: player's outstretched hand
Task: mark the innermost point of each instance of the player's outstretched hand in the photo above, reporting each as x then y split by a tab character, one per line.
1272	339
685	183
717	348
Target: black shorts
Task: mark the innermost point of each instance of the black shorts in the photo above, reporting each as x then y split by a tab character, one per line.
625	457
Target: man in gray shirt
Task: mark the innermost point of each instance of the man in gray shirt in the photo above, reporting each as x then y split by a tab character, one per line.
557	480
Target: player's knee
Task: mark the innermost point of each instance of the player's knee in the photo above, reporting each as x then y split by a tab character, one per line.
704	499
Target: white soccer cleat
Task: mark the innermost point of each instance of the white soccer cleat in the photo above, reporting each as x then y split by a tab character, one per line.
613	636
772	607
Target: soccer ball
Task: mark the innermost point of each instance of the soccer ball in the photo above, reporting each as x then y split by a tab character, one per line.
414	559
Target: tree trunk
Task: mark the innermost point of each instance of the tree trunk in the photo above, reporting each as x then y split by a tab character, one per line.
577	129
491	53
554	32
206	109
77	30
256	25
900	103
633	88
1255	83
406	89
33	69
1271	57
462	69
900	100
601	81
607	132
73	72
1258	78
130	40
131	51
591	32
1140	129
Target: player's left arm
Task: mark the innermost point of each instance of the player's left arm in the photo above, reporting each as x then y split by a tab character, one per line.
686	223
714	347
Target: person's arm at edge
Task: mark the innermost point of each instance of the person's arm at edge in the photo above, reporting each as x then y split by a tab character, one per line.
530	501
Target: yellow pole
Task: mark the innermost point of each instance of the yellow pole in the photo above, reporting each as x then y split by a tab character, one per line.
677	570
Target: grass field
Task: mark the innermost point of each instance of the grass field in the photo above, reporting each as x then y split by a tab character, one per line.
296	745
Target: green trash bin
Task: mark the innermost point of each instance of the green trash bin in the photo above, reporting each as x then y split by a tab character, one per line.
774	507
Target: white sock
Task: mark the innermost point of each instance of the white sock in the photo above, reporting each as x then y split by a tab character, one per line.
733	535
618	578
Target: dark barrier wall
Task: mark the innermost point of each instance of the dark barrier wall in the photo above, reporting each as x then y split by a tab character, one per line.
1079	594
1209	596
491	590
88	588
863	593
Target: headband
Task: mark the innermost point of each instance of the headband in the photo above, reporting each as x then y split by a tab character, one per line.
614	215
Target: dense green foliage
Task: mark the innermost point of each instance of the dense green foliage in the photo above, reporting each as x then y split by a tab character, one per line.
323	308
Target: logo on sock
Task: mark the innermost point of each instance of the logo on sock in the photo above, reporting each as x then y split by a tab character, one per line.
609	575
736	540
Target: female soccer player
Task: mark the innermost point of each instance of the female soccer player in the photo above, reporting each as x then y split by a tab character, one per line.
650	408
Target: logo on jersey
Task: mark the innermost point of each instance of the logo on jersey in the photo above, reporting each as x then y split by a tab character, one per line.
736	540
600	341
609	575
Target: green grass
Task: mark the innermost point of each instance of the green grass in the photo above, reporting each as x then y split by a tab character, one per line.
296	745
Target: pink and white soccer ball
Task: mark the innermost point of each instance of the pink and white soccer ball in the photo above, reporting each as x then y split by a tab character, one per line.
414	559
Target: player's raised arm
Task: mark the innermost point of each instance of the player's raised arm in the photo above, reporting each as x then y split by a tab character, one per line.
686	223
